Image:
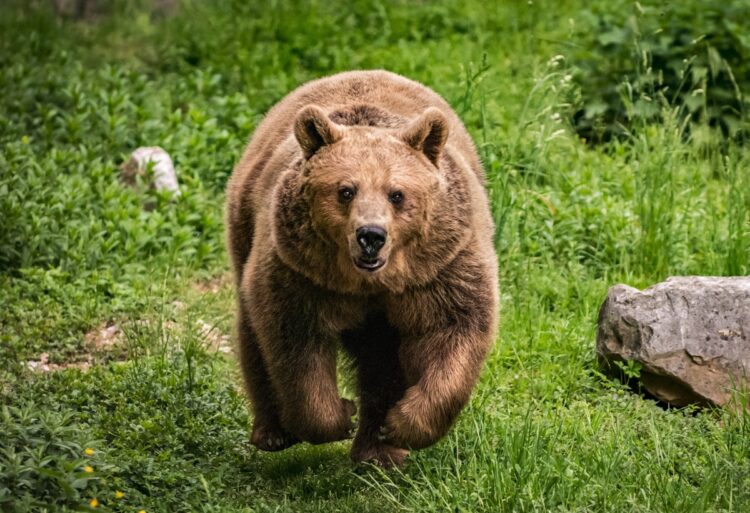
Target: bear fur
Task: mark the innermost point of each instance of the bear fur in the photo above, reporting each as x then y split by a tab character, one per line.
357	217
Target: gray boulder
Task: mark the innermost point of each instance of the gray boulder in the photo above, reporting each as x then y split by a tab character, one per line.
691	336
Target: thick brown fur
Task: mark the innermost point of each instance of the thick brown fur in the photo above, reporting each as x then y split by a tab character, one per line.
419	327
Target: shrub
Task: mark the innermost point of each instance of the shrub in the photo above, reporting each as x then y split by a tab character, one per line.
632	60
44	462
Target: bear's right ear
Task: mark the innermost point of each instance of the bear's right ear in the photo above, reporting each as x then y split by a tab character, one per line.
428	134
313	130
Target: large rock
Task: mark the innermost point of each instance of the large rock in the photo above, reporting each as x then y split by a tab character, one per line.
691	336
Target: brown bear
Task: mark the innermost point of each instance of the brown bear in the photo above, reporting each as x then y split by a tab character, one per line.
357	217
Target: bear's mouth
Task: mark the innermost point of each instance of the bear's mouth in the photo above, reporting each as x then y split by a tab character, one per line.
369	265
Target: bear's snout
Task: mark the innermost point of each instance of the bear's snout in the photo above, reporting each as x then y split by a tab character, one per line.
370	238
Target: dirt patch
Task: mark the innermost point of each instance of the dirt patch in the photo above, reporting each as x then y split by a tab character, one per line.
104	337
215	339
43	364
214	285
107	337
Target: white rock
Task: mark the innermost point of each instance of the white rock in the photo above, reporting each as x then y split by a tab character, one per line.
164	176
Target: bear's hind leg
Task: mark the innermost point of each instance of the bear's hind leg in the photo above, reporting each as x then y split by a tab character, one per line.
268	433
374	348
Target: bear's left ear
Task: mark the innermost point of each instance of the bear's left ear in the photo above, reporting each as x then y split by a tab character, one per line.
428	134
314	129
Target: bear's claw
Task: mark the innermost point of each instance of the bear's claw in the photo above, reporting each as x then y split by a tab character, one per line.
384	455
272	440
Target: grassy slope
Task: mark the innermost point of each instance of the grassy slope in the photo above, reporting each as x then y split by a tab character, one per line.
544	430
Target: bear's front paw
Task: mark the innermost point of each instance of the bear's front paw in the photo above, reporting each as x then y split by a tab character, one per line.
384	455
271	438
407	425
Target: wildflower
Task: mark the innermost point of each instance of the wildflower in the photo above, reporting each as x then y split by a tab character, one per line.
555	61
141	511
119	494
93	502
88	451
88	469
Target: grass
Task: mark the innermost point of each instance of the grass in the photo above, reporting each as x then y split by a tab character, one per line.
162	412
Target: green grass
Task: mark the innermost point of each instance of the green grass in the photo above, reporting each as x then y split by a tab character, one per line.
545	431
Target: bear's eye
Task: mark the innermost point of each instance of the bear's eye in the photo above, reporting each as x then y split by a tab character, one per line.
346	194
396	197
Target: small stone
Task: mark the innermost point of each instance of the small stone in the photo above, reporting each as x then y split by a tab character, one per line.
163	176
690	335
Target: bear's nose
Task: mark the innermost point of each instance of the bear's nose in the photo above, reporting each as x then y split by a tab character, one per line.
370	238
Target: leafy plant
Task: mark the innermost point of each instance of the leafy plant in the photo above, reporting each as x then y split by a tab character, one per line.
44	462
631	57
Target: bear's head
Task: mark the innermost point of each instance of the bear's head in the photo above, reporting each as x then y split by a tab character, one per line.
371	207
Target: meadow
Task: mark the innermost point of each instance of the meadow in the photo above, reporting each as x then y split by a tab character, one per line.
596	177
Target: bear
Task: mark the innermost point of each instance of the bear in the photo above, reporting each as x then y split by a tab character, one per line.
357	218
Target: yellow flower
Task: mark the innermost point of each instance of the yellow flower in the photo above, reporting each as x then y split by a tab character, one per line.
89	451
119	494
89	469
93	502
141	511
